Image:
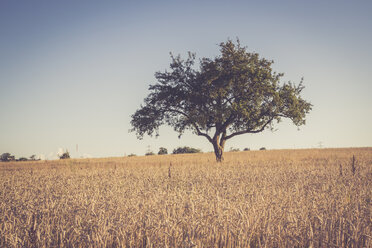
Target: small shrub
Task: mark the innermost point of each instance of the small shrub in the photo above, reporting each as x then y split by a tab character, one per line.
132	155
247	149
232	149
262	149
65	155
149	154
162	151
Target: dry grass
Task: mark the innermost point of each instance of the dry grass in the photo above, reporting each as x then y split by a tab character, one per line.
286	198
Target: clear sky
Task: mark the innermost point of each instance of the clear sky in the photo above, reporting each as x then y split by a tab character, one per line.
73	72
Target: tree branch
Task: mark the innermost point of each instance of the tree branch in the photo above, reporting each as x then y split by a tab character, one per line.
250	131
198	132
224	126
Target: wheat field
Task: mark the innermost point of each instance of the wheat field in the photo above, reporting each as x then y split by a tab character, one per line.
278	198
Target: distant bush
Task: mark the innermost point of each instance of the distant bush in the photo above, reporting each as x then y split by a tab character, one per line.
132	155
22	159
162	151
149	154
185	149
232	149
6	157
247	149
262	149
65	155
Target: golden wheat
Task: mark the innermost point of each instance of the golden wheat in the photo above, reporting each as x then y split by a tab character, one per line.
283	198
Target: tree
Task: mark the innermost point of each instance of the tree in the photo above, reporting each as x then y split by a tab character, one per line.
162	151
6	157
185	149
65	155
233	94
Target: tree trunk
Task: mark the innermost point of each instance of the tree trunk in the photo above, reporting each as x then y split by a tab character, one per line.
218	151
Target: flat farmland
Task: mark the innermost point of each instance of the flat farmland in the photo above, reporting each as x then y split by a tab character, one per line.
278	198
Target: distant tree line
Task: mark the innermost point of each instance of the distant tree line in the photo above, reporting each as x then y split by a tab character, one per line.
164	151
186	149
7	157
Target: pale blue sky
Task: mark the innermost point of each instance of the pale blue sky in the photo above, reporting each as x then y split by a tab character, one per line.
73	72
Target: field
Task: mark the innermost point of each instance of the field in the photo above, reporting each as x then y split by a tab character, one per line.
279	198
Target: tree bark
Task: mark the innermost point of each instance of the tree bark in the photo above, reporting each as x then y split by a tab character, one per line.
218	150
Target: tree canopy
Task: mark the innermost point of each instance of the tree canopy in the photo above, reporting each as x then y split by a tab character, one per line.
235	93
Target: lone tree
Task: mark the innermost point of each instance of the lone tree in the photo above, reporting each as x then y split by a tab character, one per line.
235	93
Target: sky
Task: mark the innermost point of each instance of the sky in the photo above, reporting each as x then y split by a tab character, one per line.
73	72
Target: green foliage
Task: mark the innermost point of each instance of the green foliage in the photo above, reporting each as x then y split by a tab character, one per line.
65	155
235	93
162	151
186	149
